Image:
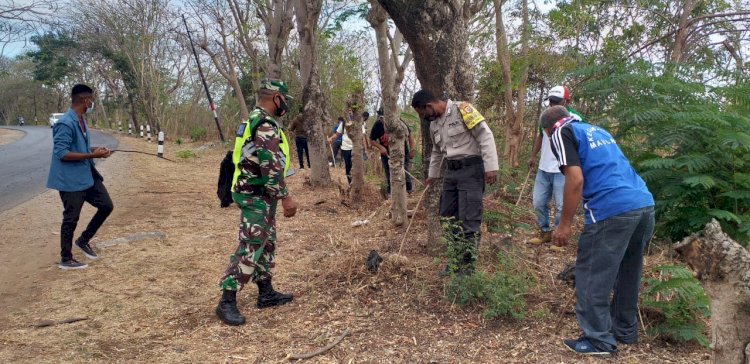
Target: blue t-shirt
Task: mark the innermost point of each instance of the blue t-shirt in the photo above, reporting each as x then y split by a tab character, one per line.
335	128
610	185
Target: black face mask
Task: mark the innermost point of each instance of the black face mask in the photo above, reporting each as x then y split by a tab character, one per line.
432	117
281	108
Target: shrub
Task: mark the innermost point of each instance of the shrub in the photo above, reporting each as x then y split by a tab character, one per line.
680	299
198	133
185	154
501	293
178	141
689	142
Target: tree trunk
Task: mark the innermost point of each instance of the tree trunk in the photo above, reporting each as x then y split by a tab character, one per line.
356	103
307	12
724	268
680	39
514	118
391	75
278	23
436	31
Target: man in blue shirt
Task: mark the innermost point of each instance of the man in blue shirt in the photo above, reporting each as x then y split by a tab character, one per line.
619	222
72	173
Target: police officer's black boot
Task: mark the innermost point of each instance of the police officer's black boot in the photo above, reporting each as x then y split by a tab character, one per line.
227	309
267	297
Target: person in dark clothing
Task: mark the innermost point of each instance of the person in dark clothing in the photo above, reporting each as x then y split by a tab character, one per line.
300	139
379	139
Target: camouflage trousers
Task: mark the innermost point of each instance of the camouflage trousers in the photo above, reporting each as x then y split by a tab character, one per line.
254	257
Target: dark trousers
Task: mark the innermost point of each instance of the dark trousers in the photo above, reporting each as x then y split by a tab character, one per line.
461	199
95	195
387	170
347	154
302	149
609	262
336	148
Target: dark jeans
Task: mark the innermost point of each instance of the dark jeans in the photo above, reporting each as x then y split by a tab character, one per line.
610	258
347	154
336	148
95	195
387	170
302	149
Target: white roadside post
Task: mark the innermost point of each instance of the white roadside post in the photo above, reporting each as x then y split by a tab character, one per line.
148	131
130	128
119	127
141	131
160	148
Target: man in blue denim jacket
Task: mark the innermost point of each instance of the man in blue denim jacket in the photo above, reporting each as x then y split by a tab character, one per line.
619	222
72	173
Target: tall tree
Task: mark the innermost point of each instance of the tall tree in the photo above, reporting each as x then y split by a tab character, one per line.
437	36
356	105
514	111
277	19
307	13
222	51
391	75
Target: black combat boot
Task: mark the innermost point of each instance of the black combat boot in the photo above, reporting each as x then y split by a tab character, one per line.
267	297
227	309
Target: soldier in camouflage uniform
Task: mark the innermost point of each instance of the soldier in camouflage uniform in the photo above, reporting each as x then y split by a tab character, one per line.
261	159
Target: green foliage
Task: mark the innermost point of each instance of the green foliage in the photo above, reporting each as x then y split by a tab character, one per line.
178	141
501	293
54	58
688	141
186	153
198	133
679	297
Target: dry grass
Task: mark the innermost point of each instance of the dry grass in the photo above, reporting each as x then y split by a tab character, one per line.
153	300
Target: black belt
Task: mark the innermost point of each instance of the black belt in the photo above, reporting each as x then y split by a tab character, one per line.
466	162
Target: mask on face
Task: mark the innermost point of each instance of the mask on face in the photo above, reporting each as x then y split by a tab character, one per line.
432	117
282	107
90	109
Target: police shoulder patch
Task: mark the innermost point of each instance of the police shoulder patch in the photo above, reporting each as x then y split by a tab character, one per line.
470	115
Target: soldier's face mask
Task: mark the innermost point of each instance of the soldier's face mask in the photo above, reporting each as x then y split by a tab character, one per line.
281	107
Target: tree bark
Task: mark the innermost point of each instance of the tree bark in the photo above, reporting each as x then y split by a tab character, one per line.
683	30
436	31
276	16
723	266
514	117
356	104
391	75
307	13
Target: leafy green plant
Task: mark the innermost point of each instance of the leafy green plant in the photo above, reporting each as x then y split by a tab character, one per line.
185	154
198	133
689	141
680	299
178	141
501	293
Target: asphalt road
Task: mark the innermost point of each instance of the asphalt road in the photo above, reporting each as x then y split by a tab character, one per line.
24	164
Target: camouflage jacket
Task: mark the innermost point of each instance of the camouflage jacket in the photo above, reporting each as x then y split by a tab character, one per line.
258	159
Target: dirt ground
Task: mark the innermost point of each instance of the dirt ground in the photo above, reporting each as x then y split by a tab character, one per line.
153	300
8	136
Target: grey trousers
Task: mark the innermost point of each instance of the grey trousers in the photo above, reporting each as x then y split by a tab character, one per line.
610	260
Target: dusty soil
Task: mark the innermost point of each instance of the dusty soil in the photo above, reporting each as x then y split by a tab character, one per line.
153	300
8	136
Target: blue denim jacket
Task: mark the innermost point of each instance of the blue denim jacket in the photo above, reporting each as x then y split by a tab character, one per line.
68	137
